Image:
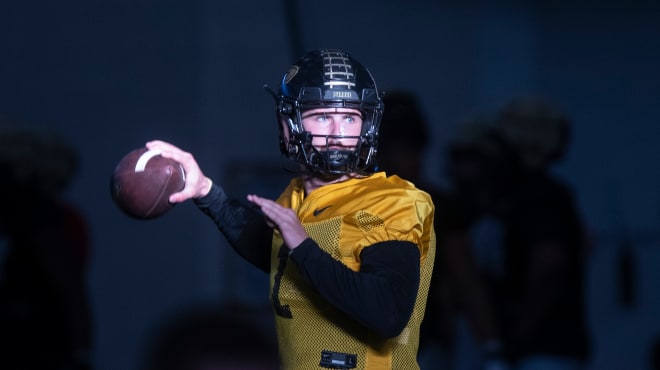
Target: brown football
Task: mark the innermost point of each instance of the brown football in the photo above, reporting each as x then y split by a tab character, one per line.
143	181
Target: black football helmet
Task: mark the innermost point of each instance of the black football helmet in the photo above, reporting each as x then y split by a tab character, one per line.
325	79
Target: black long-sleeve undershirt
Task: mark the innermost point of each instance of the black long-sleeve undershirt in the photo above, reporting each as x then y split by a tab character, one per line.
244	226
381	296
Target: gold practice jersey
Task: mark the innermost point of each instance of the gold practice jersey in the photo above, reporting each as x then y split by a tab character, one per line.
345	218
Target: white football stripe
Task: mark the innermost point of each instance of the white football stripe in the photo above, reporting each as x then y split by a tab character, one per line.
141	163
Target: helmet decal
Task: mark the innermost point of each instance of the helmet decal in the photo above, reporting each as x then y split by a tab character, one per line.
338	69
290	74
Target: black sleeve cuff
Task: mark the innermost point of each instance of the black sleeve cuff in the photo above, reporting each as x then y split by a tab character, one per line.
243	226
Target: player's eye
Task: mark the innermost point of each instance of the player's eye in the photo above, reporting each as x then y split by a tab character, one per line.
352	118
318	117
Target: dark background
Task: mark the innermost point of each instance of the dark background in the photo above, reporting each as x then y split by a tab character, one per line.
110	75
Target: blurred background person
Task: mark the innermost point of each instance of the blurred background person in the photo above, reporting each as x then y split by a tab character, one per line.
654	353
211	338
538	287
403	137
44	309
456	288
472	160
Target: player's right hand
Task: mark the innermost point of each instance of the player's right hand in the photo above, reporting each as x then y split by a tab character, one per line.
197	184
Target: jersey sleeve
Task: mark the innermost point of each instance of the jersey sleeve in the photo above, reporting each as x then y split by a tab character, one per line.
243	226
401	216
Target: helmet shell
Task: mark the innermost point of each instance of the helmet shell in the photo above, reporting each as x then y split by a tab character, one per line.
329	78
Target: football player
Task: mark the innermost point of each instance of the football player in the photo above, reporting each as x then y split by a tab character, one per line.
349	249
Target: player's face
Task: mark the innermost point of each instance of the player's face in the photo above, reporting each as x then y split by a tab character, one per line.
340	127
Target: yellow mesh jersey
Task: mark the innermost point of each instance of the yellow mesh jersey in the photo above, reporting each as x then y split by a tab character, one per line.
343	219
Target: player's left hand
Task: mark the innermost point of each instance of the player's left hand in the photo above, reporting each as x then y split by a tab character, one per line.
282	218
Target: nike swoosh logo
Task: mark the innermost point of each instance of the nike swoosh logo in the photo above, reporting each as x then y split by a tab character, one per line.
319	210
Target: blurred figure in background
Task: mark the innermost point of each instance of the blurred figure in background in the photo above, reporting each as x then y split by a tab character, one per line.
456	287
44	310
654	358
526	233
472	161
403	138
222	338
538	288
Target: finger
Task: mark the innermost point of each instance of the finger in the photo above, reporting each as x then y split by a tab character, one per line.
171	151
181	196
270	209
259	201
160	145
267	205
285	220
168	150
